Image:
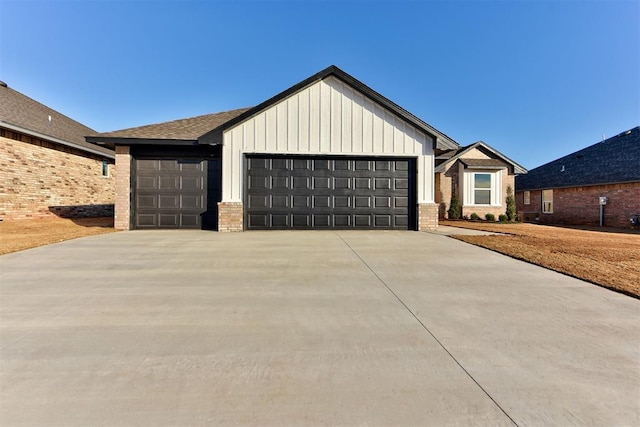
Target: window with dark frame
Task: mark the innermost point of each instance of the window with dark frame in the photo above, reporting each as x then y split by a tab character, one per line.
105	168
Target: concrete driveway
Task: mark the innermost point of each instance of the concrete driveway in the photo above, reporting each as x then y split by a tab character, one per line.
307	328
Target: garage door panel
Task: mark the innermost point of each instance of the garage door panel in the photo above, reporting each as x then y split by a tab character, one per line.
169	165
279	220
279	202
172	193
168	220
401	183
362	221
383	221
147	201
169	183
312	192
169	202
147	182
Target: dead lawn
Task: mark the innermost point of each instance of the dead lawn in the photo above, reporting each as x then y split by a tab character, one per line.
17	235
606	258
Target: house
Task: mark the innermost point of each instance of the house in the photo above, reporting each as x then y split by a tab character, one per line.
46	165
479	175
570	190
327	153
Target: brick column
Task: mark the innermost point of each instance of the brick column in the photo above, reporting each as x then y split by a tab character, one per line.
427	216
230	216
122	219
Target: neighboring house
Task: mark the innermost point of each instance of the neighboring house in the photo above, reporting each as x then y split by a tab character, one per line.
46	165
479	175
327	153
568	190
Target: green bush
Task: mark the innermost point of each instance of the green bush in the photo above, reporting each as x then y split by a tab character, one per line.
503	218
511	204
474	217
454	207
490	217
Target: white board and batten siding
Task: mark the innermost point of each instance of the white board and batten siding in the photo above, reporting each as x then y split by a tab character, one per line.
326	118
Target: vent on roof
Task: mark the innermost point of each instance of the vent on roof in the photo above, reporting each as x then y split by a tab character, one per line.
3	84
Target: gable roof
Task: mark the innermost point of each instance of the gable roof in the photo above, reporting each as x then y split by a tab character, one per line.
22	114
443	142
177	131
442	161
614	160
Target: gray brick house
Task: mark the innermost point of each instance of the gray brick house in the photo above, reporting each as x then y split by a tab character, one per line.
47	167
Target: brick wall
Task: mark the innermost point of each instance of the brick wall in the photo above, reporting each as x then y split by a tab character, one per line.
42	178
449	180
579	205
230	216
427	216
122	219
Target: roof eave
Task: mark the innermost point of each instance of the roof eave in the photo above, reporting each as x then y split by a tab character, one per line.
56	140
553	187
517	168
109	141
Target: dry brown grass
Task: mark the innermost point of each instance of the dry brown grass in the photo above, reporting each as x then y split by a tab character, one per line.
607	258
17	235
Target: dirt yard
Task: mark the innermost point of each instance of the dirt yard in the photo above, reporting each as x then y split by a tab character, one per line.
17	235
607	258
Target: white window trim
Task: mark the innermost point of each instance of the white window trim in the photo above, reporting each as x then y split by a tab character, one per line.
527	197
496	188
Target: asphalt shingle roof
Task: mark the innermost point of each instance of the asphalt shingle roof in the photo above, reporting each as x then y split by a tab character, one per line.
189	129
614	160
20	111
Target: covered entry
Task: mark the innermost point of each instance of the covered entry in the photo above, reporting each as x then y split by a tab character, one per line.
313	192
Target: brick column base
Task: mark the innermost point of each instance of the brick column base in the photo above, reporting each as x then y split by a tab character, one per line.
230	216
427	216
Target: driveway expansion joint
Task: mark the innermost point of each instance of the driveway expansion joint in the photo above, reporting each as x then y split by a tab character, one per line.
426	328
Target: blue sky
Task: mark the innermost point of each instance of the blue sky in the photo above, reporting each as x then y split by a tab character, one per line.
534	79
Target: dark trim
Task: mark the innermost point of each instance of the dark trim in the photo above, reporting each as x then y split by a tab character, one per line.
111	142
442	141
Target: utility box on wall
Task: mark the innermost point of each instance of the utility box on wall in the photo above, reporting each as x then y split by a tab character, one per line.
603	200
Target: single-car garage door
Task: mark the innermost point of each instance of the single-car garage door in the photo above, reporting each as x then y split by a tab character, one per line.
295	192
176	193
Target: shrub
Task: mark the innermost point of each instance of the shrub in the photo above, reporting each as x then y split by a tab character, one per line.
511	204
454	207
503	218
490	217
474	217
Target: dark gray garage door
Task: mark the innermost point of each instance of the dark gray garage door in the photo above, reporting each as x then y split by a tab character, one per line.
287	192
173	193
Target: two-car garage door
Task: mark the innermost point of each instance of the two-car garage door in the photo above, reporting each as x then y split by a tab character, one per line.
297	192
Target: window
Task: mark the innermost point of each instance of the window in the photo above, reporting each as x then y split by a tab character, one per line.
105	168
547	201
481	189
527	197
